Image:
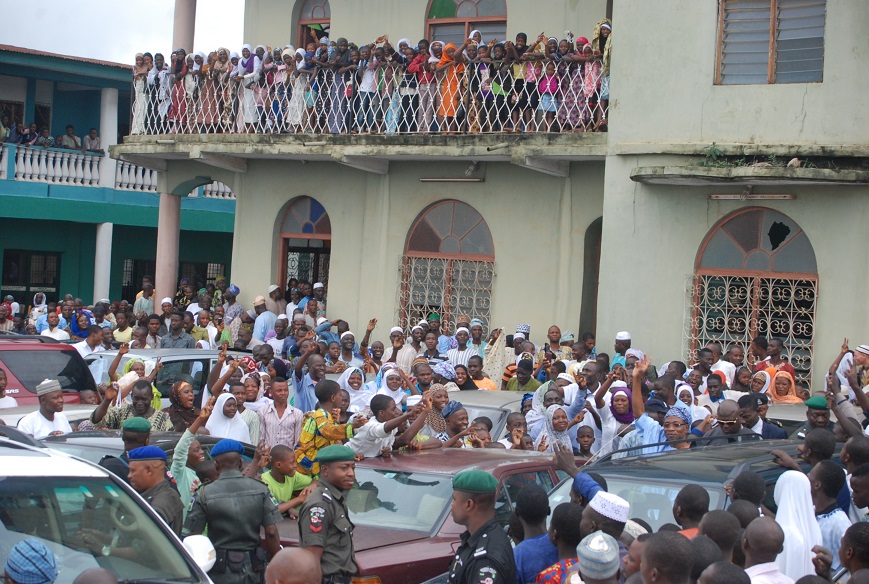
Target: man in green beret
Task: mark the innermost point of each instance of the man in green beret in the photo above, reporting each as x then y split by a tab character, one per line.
485	555
135	433
325	528
817	416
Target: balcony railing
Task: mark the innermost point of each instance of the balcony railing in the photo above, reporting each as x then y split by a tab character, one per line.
473	98
129	177
50	165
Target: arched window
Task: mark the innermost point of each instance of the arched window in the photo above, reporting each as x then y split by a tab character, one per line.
452	21
314	16
306	241
448	265
755	274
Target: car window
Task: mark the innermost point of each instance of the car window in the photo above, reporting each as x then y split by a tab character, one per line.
511	485
65	366
193	371
65	511
401	500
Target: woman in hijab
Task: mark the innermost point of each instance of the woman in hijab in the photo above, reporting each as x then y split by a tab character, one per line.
181	410
140	100
784	389
178	71
613	404
463	379
392	385
209	113
224	423
300	79
278	368
39	308
435	423
445	374
556	430
685	394
451	71
353	382
796	516
761	381
219	73
248	74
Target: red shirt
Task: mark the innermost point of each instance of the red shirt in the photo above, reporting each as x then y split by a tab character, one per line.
783	366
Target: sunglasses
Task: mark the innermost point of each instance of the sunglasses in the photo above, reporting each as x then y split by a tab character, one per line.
727	422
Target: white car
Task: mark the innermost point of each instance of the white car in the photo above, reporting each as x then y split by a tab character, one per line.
53	497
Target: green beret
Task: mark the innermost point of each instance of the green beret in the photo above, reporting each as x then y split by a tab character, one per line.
475	481
817	402
136	425
335	453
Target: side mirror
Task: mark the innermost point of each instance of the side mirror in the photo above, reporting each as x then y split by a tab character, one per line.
201	550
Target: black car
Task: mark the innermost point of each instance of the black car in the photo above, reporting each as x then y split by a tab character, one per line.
650	483
93	446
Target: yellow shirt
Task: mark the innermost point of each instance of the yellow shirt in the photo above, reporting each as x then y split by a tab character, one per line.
486	383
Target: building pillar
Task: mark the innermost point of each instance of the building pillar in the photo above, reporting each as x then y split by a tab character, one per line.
168	235
103	260
185	25
108	134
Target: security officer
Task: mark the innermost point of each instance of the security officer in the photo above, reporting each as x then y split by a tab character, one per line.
235	508
485	555
325	528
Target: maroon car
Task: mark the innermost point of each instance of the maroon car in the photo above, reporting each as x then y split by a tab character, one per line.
27	361
401	507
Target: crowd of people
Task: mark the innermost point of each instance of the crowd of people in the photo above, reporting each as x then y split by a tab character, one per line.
18	132
540	84
405	393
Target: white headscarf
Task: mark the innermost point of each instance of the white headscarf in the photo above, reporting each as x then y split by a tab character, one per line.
697	412
396	395
359	398
551	434
219	425
201	55
796	516
300	66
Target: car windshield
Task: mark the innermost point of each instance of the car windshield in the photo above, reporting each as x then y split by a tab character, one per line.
194	370
66	512
400	500
65	366
651	501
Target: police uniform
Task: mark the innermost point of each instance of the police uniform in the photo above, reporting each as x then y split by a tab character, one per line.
324	521
485	556
235	508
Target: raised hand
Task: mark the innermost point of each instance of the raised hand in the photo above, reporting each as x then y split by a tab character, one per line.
124	348
359	421
845	348
543	445
205	412
112	391
642	366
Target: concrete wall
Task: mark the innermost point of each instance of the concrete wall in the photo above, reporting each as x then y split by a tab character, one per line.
275	22
651	235
537	222
664	62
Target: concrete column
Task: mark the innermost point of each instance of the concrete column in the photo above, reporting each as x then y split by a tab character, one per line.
168	234
103	260
185	25
108	134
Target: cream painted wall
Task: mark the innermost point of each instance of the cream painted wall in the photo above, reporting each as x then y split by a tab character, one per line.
663	82
651	234
537	222
275	22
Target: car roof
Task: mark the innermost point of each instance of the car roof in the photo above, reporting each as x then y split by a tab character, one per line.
111	439
17	459
451	461
700	464
154	353
30	343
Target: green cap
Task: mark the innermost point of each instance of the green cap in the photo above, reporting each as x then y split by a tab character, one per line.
475	481
136	425
335	453
818	402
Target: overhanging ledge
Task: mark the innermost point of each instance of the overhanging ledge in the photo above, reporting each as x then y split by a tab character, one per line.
692	176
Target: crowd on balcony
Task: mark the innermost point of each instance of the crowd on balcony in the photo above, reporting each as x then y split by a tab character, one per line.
13	132
541	84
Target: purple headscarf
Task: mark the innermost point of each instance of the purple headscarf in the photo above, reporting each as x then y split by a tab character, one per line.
628	416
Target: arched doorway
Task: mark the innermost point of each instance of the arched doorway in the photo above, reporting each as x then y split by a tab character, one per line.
314	16
451	21
755	274
448	265
306	242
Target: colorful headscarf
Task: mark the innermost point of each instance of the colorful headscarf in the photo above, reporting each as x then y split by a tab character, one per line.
445	370
628	416
681	413
767	380
178	414
451	408
790	397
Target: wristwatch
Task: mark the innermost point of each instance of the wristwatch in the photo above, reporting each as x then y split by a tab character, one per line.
106	551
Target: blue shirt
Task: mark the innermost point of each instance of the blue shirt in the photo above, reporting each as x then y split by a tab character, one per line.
305	398
444	345
42	323
302	303
264	323
619	359
532	556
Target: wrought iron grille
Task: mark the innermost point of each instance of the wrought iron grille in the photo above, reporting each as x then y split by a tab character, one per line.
450	287
734	309
308	264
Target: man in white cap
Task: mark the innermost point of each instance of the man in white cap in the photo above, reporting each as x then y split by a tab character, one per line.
621	346
166	308
275	302
277	337
399	353
265	319
853	370
320	297
47	420
607	513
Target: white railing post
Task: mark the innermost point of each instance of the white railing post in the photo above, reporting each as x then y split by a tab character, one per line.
43	169
95	170
79	172
51	171
28	163
86	169
4	154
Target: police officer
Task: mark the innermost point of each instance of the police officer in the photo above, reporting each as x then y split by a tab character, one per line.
325	528
485	555
235	508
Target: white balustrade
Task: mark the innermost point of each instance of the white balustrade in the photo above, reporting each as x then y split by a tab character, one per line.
130	177
217	190
36	164
4	160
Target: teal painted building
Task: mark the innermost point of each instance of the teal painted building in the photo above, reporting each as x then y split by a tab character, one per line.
81	223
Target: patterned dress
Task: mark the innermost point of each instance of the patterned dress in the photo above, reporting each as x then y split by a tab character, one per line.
318	431
556	573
